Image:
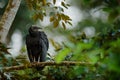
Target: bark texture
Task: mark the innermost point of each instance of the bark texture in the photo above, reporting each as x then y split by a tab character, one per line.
8	18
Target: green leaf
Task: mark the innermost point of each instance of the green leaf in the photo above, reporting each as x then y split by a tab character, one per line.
113	15
62	54
107	9
87	1
93	56
21	72
62	9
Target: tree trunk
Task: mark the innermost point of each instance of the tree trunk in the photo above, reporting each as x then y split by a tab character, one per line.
7	18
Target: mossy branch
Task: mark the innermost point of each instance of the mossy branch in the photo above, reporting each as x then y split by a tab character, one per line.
41	64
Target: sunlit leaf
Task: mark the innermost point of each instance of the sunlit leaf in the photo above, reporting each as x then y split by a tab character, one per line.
44	2
93	56
61	55
21	72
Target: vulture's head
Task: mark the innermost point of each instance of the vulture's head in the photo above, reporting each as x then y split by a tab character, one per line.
34	30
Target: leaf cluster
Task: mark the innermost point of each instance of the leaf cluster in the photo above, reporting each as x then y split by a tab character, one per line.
102	50
42	8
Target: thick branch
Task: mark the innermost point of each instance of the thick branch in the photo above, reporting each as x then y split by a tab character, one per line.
39	64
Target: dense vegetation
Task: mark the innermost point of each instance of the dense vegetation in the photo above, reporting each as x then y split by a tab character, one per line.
101	50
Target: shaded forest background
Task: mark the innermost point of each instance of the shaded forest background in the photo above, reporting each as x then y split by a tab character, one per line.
94	38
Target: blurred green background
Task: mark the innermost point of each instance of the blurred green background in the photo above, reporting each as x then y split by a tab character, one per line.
94	37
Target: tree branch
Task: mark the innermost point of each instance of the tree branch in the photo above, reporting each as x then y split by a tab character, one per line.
41	64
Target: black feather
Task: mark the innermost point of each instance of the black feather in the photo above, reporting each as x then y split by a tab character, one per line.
37	44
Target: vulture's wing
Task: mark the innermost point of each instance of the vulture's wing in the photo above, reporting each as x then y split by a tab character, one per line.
44	44
28	42
45	39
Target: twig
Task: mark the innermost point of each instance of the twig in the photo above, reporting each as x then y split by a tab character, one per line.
41	64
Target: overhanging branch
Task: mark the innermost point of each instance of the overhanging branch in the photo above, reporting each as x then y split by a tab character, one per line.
40	64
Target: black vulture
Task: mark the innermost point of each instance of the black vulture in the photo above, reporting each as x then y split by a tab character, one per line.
37	44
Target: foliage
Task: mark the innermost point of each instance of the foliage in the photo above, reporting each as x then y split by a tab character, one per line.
42	8
102	50
5	57
5	60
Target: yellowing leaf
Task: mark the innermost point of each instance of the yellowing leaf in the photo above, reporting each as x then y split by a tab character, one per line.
40	17
63	24
44	2
59	17
29	4
35	17
68	4
56	23
54	1
64	5
56	45
52	18
65	17
48	3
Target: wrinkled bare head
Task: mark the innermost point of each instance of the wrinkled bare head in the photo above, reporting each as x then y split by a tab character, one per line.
33	30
